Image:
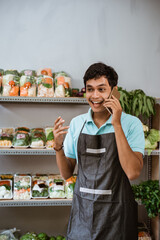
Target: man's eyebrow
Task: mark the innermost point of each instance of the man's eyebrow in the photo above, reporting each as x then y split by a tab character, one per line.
100	85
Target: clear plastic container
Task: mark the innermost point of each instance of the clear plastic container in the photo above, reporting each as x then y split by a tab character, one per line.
22	187
50	143
21	139
38	138
5	189
28	86
40	186
45	86
69	186
6	137
10	85
62	85
56	186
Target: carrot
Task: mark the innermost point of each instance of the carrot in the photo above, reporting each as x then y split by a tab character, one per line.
44	72
28	189
12	83
60	80
4	183
23	92
14	91
48	81
66	84
27	85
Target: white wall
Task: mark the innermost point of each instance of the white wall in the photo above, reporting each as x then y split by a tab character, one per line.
70	35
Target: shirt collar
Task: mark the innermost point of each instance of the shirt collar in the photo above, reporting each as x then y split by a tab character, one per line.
90	119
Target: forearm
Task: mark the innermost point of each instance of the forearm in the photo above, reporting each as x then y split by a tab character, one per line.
130	163
65	166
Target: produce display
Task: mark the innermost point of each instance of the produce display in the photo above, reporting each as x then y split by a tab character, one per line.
137	103
26	186
22	187
40	186
56	186
148	193
40	236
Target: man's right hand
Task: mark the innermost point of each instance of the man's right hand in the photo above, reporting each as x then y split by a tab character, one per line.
59	131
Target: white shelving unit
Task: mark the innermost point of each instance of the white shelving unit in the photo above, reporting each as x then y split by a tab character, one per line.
19	110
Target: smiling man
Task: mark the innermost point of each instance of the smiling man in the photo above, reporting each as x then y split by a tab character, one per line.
109	152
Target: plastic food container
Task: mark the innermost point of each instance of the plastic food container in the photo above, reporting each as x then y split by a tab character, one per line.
56	186
49	137
45	86
40	186
6	137
62	85
28	86
69	186
10	85
38	138
21	139
22	187
5	189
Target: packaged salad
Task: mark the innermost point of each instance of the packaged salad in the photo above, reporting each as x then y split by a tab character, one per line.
6	137
62	85
49	137
21	139
28	72
5	189
40	186
45	86
56	186
11	71
44	71
27	86
38	138
10	85
22	187
69	186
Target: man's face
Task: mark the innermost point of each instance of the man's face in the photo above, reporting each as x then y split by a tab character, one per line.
96	93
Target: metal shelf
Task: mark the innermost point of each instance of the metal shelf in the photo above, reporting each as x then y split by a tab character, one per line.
35	203
28	151
153	153
43	100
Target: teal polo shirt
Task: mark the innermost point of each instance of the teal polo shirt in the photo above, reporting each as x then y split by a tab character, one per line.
131	125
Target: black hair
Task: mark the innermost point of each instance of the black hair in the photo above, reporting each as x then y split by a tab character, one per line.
98	70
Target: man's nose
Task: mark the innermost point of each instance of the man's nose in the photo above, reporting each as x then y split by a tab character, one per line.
95	93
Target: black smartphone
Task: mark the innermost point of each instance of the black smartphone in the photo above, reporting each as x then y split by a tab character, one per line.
115	93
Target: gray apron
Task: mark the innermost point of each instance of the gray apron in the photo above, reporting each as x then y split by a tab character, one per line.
103	206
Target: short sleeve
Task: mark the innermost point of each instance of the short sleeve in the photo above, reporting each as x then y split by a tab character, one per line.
69	146
135	136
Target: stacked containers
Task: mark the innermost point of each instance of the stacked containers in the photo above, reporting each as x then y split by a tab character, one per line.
56	186
62	85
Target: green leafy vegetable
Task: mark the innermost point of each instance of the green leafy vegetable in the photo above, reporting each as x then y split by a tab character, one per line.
149	194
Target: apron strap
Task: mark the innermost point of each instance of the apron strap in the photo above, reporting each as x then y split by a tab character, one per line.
83	126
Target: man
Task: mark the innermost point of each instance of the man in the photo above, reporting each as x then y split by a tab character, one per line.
109	151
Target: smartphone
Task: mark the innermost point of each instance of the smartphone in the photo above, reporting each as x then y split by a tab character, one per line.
114	93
